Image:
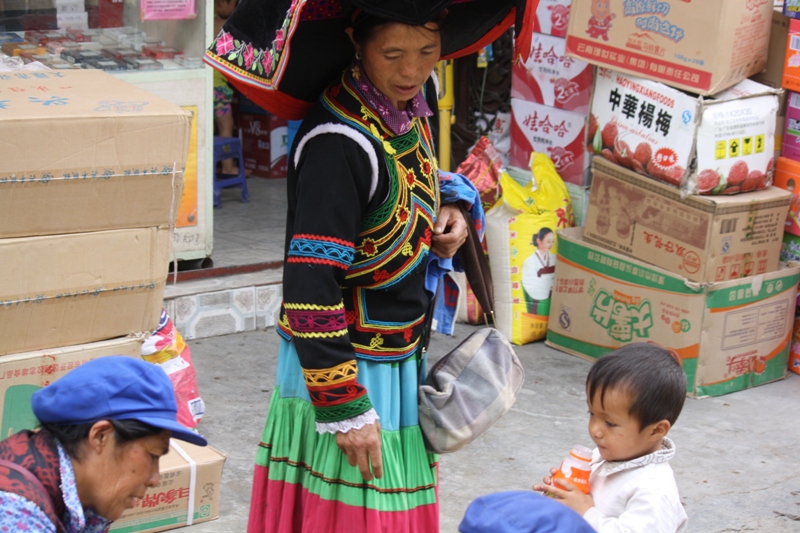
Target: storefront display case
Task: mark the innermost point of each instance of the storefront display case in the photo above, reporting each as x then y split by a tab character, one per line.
157	45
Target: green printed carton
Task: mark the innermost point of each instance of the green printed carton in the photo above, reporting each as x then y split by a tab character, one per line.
729	336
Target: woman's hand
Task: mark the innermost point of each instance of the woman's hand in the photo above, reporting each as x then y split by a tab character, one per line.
363	447
449	232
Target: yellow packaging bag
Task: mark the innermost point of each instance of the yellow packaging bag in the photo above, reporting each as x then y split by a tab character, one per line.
521	234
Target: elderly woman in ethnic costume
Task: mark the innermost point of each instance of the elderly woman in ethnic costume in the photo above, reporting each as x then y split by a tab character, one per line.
104	427
342	449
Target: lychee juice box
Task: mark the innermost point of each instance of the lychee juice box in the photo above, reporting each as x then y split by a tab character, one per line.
705	145
558	133
548	76
552	17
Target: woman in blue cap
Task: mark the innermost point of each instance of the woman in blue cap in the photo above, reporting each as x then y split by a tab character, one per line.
104	427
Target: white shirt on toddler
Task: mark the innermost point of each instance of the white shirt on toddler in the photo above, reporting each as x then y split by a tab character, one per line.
639	495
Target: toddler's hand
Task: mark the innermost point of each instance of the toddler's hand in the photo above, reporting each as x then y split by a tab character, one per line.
568	494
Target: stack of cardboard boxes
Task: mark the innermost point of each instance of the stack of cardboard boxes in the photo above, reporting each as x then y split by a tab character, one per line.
550	97
91	170
683	231
786	41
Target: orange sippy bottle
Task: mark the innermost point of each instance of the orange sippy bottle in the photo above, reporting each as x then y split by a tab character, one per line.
576	468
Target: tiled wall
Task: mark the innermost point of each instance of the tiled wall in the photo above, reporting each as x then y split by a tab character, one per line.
224	312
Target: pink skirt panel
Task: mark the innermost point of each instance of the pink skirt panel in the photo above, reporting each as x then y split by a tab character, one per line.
281	507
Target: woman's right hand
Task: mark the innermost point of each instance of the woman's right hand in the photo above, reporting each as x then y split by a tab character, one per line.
363	448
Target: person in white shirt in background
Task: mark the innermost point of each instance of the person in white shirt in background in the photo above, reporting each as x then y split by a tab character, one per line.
635	395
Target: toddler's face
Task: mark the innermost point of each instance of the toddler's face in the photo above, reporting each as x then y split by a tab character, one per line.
615	432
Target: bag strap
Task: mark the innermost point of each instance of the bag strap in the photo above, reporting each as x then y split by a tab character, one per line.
479	276
476	268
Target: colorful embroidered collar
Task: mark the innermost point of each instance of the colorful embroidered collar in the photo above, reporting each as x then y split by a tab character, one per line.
398	121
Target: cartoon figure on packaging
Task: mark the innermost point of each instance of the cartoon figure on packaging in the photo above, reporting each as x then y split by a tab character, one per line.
537	273
600	22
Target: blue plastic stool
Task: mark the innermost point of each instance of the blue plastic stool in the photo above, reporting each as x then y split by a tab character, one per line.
228	148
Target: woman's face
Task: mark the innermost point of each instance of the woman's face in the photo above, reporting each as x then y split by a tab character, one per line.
399	58
546	242
118	475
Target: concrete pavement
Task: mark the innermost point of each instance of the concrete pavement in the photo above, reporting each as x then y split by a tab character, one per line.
737	464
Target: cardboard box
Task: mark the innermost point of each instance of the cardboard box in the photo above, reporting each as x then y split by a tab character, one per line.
729	336
703	145
790	145
772	74
23	374
791	8
255	144
548	76
552	17
187	491
787	176
62	290
703	238
559	134
702	47
791	66
84	151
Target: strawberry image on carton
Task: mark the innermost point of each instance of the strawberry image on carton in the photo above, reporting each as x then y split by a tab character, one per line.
552	17
548	76
559	134
705	145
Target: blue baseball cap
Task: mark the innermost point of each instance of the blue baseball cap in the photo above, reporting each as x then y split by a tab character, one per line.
115	387
521	512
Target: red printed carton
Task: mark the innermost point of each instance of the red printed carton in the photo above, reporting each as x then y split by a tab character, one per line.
703	46
548	76
552	17
558	133
704	145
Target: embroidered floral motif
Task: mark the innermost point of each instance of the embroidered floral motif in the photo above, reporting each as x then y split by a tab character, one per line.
255	60
402	215
411	177
369	248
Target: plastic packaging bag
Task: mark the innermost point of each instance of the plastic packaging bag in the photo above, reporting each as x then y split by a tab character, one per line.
521	236
167	349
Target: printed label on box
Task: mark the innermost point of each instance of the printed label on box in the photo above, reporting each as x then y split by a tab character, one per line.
703	145
548	76
643	125
667	41
559	134
552	17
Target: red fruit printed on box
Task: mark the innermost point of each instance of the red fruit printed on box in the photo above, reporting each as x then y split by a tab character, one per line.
704	145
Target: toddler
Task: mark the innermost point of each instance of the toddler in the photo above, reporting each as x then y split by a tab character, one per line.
635	395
